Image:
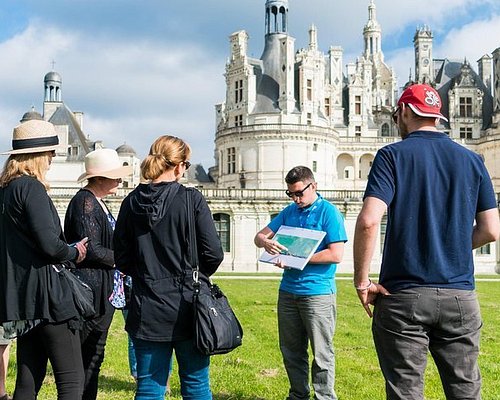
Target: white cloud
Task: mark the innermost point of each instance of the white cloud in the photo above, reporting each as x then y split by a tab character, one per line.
341	22
135	82
129	91
402	61
471	41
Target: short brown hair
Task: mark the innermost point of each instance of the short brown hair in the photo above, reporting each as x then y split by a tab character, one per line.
165	153
299	174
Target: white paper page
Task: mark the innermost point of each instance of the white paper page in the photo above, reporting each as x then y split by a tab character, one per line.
300	243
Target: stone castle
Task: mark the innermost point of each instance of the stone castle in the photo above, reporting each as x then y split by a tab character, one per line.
305	107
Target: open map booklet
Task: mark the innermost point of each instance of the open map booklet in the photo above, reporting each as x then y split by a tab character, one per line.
300	243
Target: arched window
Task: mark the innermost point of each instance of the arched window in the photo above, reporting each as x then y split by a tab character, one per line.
385	129
345	166
223	227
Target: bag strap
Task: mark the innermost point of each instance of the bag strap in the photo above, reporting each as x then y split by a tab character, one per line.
193	247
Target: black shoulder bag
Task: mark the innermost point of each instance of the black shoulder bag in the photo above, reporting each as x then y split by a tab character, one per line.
83	295
216	328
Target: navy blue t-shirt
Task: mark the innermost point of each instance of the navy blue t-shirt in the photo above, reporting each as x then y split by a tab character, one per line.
433	188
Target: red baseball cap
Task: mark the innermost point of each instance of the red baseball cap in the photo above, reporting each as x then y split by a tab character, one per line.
424	100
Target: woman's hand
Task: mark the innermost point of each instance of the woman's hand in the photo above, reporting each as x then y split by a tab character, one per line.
81	246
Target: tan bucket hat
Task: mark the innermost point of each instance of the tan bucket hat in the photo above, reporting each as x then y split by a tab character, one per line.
33	136
105	163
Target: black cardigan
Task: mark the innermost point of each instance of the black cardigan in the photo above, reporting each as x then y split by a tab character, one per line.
151	245
31	239
86	218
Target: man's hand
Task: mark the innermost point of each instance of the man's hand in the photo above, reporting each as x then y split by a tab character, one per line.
279	263
273	247
368	293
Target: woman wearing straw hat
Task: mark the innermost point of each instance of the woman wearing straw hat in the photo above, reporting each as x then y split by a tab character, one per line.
87	215
35	306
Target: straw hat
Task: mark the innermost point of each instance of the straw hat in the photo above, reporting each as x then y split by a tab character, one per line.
33	136
105	163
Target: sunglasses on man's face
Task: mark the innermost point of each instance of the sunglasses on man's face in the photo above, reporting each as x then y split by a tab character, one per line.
298	193
395	114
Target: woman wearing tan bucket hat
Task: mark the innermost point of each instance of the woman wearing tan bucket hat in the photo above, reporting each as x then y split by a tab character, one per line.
36	305
87	215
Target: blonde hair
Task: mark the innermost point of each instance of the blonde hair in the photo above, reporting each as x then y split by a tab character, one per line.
165	153
31	164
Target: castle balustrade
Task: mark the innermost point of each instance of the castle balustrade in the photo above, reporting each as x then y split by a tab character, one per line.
227	194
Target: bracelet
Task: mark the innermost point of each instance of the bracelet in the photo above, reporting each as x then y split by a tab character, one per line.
362	289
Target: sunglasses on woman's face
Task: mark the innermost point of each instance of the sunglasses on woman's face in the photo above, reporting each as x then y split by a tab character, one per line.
187	164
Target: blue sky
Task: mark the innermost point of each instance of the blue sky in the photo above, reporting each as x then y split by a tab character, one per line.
142	68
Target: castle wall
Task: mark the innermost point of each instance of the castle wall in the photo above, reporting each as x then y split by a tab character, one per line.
250	210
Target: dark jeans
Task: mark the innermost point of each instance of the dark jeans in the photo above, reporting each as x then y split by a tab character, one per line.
93	338
60	345
409	323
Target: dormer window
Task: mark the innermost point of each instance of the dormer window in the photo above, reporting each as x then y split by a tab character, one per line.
465	107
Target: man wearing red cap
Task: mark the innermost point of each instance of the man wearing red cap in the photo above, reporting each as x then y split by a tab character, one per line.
433	190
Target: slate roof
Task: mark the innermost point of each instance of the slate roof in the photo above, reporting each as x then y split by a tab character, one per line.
64	116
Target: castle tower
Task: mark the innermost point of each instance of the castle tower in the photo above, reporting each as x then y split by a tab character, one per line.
382	79
335	110
277	61
276	16
422	43
239	45
485	69
53	94
372	34
240	81
287	117
496	83
313	38
286	76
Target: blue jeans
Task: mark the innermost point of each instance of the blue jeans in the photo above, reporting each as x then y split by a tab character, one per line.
410	323
303	320
153	364
132	362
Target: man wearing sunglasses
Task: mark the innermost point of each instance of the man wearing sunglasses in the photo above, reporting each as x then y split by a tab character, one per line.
307	300
440	205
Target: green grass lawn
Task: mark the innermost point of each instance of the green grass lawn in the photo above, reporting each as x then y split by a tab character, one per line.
255	371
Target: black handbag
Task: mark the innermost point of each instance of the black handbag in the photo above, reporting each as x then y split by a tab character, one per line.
83	295
216	327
